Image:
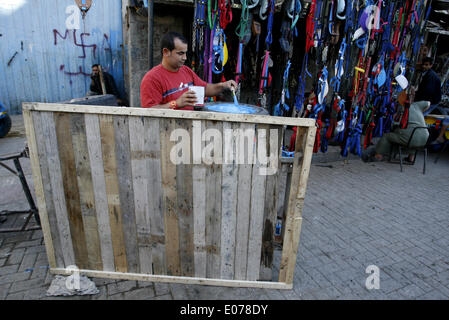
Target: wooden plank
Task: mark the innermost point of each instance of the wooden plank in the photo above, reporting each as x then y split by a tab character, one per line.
213	201
169	204
182	280
86	191
168	113
45	205
112	191
55	174
199	201
99	185
229	200
271	208
71	192
126	191
156	216
301	168
140	185
184	186
258	183
243	202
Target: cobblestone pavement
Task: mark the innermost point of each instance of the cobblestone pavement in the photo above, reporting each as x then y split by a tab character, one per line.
355	215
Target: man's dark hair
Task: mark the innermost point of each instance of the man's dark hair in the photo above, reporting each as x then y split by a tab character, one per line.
168	40
427	60
95	65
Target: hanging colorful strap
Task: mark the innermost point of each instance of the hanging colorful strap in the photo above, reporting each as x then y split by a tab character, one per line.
238	71
335	81
225	13
243	27
310	26
218	49
285	92
269	38
265	75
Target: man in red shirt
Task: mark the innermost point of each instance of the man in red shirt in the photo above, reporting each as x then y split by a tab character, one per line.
166	85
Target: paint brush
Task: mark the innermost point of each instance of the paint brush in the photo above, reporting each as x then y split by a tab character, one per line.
234	96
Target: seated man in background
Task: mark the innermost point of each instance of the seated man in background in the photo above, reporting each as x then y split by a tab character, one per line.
440	138
96	88
400	136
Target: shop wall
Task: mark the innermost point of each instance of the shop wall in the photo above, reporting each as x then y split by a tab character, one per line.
47	49
167	17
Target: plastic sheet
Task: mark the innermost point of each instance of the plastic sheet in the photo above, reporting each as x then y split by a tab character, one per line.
227	107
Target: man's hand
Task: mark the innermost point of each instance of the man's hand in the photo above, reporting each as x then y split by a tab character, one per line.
188	98
230	84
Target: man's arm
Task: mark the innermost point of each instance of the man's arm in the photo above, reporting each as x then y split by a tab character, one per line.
188	98
213	89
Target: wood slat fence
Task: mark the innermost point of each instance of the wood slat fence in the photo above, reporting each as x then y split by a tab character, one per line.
115	204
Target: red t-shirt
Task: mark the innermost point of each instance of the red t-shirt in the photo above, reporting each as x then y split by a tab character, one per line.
160	86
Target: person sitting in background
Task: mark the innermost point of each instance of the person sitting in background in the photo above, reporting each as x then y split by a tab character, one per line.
400	136
96	88
440	138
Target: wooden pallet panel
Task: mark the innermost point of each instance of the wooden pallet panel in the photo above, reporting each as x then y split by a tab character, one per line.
137	214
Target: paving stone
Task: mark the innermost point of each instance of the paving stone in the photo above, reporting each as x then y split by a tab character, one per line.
16	296
164	297
42	259
140	294
2	262
16	256
18	237
412	291
102	295
6	249
25	285
118	296
35	249
103	281
37	234
10	278
28	244
121	286
9	269
144	284
161	288
4	290
36	293
38	272
28	261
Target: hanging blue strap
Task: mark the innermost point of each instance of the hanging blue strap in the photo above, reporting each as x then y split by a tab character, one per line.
285	93
219	49
322	84
269	38
335	81
341	134
349	25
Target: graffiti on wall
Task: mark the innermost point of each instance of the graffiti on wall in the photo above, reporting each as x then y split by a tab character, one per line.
87	47
84	40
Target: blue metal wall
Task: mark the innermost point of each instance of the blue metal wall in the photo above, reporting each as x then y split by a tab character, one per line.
42	61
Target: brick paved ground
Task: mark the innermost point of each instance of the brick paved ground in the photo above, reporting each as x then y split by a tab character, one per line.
355	215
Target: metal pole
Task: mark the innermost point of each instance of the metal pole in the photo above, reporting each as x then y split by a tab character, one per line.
150	32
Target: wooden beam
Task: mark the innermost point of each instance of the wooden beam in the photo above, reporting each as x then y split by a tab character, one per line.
168	113
173	279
